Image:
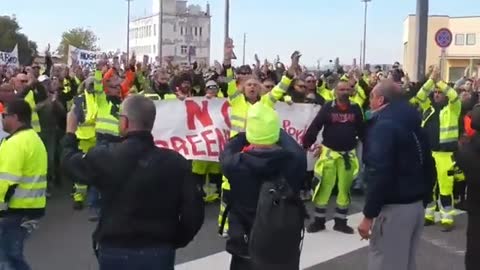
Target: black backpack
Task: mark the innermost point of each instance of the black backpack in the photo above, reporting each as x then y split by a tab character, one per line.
277	233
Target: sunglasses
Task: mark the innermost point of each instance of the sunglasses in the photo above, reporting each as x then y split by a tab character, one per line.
212	87
24	81
269	86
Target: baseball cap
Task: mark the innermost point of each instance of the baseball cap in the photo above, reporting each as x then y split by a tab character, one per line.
43	78
211	84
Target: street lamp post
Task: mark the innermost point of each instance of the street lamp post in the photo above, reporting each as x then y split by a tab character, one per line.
244	46
128	29
421	40
227	19
364	60
160	33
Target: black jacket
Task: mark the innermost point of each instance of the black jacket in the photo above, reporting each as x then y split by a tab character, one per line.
468	158
246	169
148	195
341	128
399	168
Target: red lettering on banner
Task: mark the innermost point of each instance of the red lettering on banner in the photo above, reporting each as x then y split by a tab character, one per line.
225	115
222	136
179	145
195	151
194	111
292	131
209	142
189	146
161	144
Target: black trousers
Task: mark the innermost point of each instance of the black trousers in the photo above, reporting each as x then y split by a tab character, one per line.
239	263
472	256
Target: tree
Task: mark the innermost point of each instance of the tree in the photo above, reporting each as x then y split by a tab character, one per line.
78	37
10	36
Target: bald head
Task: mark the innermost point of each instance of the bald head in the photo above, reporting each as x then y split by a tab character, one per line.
384	92
7	93
388	89
140	111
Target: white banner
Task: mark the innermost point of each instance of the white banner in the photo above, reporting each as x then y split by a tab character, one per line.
10	58
83	58
198	128
3	134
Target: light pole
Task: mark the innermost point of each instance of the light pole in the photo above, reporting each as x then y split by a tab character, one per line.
128	29
244	46
363	64
420	58
227	19
160	33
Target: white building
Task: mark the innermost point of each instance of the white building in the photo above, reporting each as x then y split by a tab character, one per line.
186	32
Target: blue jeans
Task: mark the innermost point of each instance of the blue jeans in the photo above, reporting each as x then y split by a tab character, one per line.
93	198
12	238
160	258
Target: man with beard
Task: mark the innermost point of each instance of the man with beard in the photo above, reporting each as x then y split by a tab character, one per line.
159	88
342	123
23	169
441	107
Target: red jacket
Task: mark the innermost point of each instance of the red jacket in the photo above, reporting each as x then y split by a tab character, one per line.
467	123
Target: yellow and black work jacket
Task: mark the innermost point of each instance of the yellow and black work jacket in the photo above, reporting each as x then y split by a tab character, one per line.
23	170
86	130
158	92
30	99
440	121
239	105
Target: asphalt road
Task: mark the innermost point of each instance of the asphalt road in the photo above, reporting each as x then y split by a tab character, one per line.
63	241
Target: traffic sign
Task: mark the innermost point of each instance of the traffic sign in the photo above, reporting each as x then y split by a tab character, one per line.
443	37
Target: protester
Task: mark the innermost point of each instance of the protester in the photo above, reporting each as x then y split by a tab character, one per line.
263	153
150	203
207	173
342	123
441	108
400	173
468	158
242	93
23	183
7	94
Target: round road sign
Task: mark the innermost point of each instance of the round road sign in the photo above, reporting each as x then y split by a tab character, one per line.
443	37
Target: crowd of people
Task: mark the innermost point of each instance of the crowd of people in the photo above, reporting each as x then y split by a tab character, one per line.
408	145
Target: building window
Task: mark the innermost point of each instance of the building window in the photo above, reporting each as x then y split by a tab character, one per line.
183	49
181	30
200	32
154	30
192	51
460	39
154	48
471	39
174	27
196	31
149	30
191	31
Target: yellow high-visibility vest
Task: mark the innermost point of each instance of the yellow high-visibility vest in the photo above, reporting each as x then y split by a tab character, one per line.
29	98
23	162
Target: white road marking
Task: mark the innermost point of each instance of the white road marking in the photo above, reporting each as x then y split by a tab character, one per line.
317	248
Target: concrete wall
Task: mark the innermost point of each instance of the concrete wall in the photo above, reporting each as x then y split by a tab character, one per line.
462	53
